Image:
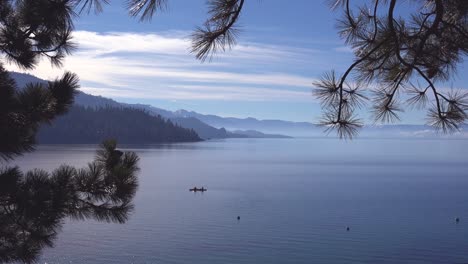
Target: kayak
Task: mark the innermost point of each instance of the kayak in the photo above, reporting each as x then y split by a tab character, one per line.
198	190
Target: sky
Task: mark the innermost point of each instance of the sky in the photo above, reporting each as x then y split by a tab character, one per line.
282	48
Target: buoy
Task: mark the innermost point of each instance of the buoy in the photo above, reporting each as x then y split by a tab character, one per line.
457	219
347	228
238	217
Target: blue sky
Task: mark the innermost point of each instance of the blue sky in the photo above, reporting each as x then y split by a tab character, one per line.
282	49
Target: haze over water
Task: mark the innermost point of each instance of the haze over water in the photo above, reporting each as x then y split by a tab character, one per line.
295	198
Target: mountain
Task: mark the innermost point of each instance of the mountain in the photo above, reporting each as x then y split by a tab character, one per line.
269	126
22	79
411	131
86	125
305	129
239	127
149	108
86	100
212	126
95	118
204	130
257	134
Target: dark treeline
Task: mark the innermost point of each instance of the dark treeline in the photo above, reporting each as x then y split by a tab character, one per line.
83	125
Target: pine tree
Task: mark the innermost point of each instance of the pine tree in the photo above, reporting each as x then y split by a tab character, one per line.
30	30
33	204
404	57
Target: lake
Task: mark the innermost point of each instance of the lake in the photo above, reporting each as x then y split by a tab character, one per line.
295	199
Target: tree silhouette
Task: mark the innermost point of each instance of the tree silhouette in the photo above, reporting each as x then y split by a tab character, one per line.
30	30
33	205
392	53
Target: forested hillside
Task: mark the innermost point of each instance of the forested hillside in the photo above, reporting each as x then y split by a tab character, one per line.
126	125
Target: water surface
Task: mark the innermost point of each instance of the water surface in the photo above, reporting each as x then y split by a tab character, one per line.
295	198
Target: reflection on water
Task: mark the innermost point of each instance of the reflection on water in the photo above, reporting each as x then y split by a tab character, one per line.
33	205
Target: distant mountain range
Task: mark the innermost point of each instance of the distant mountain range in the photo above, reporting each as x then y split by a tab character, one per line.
203	130
216	127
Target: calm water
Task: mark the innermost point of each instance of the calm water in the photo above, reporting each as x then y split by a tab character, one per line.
295	198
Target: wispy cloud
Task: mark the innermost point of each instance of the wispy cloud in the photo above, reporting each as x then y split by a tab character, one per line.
160	66
200	92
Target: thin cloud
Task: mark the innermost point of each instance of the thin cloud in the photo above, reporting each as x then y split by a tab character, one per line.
159	66
200	92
